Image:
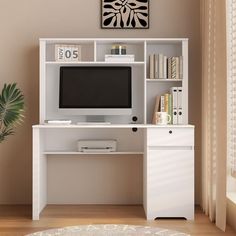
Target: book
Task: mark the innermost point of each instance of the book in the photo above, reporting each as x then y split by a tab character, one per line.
156	109
160	66
166	95
173	68
162	103
169	71
151	66
177	67
165	67
156	66
181	67
119	58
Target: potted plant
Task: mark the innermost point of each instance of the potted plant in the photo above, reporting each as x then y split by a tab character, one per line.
11	109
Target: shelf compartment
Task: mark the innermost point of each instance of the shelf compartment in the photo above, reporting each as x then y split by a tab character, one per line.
136	48
64	142
154	89
87	51
167	49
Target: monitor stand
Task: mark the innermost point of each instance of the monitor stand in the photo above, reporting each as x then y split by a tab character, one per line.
94	120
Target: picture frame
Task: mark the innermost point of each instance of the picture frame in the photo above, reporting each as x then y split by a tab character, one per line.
125	14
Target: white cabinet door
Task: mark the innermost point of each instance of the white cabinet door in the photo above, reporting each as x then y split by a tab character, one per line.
170	183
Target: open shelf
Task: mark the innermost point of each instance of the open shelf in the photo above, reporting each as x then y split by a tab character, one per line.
68	62
90	153
135	48
93	63
163	80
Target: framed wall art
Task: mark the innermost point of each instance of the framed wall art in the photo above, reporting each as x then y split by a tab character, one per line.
125	14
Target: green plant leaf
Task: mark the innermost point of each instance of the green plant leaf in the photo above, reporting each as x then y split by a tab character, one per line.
11	109
5	132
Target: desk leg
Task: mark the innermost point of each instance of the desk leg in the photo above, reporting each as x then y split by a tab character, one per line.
39	198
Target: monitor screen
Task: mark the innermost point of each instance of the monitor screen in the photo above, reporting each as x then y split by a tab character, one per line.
95	87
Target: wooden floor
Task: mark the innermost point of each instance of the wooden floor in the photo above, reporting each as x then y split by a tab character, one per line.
16	220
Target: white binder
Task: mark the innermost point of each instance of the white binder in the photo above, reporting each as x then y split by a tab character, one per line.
180	106
174	93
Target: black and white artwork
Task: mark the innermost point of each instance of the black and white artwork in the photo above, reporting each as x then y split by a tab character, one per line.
127	14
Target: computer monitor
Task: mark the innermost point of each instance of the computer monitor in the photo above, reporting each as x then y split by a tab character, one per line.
96	90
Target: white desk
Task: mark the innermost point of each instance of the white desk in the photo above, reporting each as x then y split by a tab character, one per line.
168	163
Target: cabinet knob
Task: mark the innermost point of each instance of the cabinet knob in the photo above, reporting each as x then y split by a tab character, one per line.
170	131
134	129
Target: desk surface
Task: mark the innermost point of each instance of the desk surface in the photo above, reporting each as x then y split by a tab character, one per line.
49	126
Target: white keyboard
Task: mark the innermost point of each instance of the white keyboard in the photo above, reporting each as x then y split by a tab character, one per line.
58	122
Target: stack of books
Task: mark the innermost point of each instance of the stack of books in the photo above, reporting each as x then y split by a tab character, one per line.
171	102
119	58
163	67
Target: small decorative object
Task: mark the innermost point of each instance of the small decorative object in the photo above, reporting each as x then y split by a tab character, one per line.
11	109
129	14
118	49
162	118
67	52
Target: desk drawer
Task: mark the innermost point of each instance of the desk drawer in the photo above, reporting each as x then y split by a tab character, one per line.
170	136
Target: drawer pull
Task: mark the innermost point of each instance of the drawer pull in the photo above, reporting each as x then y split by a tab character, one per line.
170	132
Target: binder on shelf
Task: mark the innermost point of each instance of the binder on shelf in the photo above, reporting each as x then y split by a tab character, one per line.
180	106
174	93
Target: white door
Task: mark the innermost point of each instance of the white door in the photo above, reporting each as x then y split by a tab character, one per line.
170	183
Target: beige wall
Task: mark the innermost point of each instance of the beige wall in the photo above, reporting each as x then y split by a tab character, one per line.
23	22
